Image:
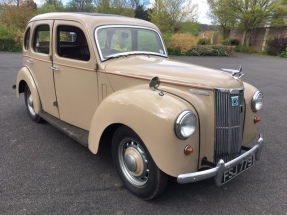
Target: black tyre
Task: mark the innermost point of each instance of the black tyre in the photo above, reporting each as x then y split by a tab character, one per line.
135	166
30	106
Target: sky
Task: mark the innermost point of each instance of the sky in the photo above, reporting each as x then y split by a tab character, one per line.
203	11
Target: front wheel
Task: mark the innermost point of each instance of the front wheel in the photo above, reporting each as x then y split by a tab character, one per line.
30	105
135	166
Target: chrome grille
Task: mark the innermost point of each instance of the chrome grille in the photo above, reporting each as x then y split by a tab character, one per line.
229	121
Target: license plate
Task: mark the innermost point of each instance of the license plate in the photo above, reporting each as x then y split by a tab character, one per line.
236	170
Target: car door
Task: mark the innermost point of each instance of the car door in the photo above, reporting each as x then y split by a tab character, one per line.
40	62
75	76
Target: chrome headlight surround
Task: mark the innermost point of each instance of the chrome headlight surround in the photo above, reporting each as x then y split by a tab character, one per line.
185	125
257	101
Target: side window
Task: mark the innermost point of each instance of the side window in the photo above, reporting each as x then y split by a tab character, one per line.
41	43
72	43
27	39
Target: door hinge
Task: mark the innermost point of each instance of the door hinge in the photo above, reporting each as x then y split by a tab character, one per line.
55	104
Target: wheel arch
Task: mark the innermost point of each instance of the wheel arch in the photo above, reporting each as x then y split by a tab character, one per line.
148	114
24	78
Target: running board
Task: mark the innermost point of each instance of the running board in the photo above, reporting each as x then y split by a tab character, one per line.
78	134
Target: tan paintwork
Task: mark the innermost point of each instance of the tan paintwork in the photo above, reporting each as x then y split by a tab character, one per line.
25	75
94	95
43	74
76	83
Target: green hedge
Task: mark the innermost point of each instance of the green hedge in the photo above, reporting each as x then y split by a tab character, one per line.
9	45
212	50
203	50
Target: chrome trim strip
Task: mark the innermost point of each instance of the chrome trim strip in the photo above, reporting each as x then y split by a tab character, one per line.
218	171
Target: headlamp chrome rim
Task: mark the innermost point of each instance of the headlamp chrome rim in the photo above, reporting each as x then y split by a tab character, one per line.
257	98
181	120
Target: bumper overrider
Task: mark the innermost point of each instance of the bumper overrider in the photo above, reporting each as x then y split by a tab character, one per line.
221	167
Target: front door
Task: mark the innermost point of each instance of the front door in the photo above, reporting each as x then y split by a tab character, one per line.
75	76
40	64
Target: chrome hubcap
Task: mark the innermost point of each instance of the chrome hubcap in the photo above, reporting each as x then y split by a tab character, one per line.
30	104
133	162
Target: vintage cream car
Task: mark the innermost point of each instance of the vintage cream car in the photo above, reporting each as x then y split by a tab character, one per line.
107	79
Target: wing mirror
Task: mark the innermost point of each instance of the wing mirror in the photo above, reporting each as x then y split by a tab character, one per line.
154	85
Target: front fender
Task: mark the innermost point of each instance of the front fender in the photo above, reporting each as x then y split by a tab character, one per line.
24	77
152	117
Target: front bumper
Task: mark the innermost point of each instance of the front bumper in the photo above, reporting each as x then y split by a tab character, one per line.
218	171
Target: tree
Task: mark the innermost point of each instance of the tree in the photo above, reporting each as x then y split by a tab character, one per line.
249	14
222	15
168	14
141	13
189	27
81	5
55	3
120	7
15	18
280	15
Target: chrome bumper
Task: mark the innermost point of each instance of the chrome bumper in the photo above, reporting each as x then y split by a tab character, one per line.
218	171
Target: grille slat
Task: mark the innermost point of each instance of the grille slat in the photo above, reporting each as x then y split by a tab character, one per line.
228	124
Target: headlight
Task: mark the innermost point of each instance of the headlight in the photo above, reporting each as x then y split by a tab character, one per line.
185	125
257	101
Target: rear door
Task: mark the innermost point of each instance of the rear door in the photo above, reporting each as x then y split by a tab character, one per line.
40	63
76	79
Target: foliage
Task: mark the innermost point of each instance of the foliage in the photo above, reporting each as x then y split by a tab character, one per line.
15	19
231	42
204	41
245	14
209	50
181	44
245	49
168	14
141	13
4	33
81	5
277	46
190	27
119	7
9	45
223	16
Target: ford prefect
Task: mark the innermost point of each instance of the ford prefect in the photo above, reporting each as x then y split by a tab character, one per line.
107	79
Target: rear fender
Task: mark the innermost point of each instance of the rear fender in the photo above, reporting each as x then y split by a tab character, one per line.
24	77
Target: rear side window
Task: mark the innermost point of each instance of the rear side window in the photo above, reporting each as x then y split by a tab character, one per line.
41	43
72	43
27	39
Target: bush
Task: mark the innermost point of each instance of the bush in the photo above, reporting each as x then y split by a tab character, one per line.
245	49
284	54
181	44
226	42
234	42
230	42
277	46
206	50
203	41
9	45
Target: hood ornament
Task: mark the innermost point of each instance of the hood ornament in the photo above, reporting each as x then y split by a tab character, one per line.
237	74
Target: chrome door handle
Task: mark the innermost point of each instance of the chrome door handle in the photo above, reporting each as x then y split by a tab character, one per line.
54	68
30	61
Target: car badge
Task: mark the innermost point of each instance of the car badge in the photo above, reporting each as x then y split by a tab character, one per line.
199	92
234	101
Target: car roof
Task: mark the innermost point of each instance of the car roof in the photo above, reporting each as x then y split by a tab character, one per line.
94	19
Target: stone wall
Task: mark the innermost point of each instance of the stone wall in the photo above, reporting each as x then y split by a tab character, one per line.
259	36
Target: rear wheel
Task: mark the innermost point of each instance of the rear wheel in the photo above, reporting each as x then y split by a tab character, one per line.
30	105
135	166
